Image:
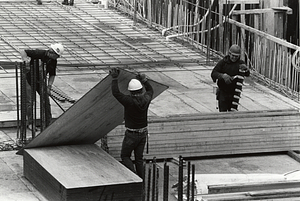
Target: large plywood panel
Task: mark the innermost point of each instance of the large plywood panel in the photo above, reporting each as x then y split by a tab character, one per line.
91	117
79	172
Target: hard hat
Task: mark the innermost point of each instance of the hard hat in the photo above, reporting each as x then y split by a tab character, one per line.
58	48
235	50
134	85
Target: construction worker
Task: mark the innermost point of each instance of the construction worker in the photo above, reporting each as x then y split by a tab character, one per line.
136	121
225	74
66	2
49	58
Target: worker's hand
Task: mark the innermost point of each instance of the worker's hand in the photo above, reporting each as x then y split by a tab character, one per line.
243	68
24	56
114	72
141	77
227	78
49	89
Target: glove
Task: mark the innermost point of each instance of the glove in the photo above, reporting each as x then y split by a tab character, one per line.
227	78
141	77
243	68
114	72
24	56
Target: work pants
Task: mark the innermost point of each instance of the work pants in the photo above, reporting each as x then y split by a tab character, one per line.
225	101
29	105
134	141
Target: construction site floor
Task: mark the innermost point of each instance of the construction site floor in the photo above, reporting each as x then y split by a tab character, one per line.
97	39
15	187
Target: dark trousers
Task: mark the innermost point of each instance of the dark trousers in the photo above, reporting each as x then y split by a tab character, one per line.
134	141
29	108
225	105
224	101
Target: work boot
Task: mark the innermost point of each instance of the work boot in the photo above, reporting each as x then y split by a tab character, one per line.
65	2
71	2
39	2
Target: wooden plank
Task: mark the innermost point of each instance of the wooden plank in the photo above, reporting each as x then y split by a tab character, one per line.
251	186
91	117
240	1
263	34
80	172
291	194
261	11
210	134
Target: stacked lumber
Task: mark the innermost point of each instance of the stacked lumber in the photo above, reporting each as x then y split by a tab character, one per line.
218	134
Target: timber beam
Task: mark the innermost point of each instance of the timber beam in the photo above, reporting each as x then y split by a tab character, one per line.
285	9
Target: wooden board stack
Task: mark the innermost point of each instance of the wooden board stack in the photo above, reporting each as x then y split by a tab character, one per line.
63	162
217	134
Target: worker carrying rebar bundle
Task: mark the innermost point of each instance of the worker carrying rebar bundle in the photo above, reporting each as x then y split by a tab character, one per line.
136	118
49	58
229	74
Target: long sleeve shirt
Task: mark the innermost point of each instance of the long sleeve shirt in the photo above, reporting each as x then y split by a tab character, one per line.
135	106
225	65
51	64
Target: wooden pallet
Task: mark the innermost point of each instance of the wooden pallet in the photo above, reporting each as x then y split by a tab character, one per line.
218	134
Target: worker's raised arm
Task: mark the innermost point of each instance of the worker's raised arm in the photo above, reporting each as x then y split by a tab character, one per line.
143	79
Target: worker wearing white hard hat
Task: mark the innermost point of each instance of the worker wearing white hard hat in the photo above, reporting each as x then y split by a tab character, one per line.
49	59
136	121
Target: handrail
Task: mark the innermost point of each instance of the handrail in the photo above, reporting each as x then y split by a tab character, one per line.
272	60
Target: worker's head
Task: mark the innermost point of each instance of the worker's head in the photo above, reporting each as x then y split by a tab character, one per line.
234	53
135	86
56	50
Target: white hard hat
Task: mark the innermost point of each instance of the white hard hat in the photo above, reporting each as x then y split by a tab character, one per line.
58	48
134	85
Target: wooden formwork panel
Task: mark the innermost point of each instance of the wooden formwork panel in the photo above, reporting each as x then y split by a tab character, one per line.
80	172
91	117
218	134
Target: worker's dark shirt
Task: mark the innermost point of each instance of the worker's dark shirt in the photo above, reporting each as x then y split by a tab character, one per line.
50	64
225	65
135	107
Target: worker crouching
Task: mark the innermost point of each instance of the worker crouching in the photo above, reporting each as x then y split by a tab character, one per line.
136	118
49	58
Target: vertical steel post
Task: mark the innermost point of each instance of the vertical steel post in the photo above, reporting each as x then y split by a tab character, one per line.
42	97
193	183
33	83
153	178
47	100
149	183
208	33
180	179
23	102
188	181
166	182
17	96
144	180
156	184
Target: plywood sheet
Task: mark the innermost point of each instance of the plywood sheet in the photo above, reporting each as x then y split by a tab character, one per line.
91	117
